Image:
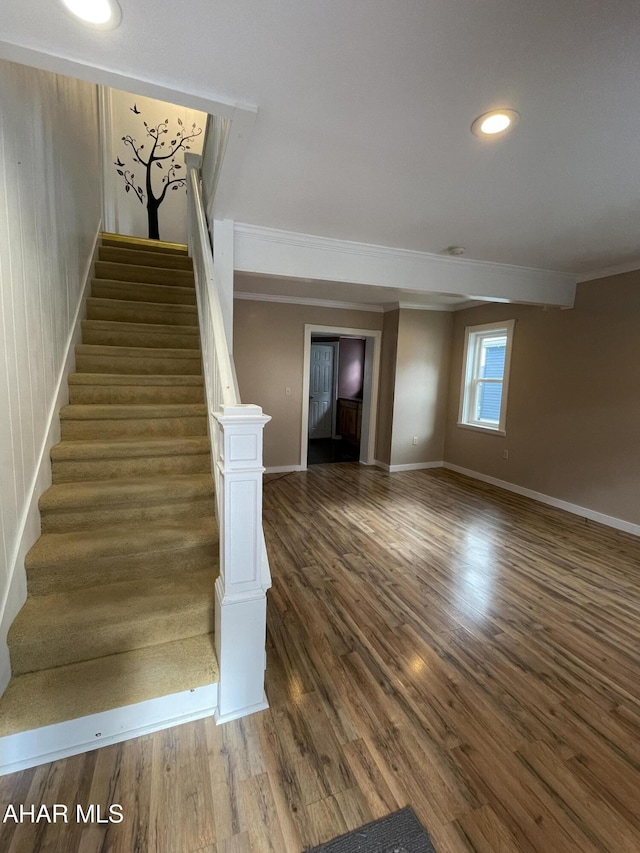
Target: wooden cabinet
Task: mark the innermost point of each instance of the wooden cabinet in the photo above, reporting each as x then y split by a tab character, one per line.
349	419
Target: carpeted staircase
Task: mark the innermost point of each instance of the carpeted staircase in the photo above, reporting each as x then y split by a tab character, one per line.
121	582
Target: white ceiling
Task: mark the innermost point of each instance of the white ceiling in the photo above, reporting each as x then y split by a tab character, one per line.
365	106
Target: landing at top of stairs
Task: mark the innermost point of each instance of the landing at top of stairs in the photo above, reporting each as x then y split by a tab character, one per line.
143	243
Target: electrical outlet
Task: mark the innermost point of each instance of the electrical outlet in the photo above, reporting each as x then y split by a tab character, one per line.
415	439
505	454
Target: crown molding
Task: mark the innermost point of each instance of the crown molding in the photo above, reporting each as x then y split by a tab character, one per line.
415	307
303	300
275	252
469	303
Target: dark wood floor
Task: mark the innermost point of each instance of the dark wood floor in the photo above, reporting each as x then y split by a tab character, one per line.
433	642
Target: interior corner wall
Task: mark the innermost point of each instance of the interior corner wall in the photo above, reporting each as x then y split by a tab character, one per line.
268	353
387	385
421	387
574	400
130	215
50	211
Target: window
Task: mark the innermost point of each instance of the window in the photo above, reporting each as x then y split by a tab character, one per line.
485	378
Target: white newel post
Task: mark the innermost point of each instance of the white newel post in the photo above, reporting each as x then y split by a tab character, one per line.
241	601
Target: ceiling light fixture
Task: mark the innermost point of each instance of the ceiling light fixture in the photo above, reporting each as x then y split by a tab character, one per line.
100	14
496	123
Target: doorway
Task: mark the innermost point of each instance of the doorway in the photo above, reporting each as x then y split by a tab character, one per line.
339	398
335	399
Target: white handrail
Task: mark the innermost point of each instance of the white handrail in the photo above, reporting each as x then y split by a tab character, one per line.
236	453
211	308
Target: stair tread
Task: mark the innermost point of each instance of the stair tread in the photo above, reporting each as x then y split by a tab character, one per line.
133	352
128	411
135	379
135	304
145	328
124	447
141	275
121	540
184	295
125	491
52	696
140	269
144	243
139	255
109	605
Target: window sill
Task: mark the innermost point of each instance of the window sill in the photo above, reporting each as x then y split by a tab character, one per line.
486	429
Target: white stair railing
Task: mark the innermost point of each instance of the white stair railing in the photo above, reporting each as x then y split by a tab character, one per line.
236	446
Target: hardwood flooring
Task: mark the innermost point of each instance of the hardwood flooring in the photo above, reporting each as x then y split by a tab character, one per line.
432	641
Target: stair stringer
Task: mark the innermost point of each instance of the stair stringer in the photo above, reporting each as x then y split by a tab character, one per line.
62	740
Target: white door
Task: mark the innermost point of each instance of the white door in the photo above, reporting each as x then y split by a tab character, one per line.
321	391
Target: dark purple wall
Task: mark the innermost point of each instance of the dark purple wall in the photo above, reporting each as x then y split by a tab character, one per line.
351	367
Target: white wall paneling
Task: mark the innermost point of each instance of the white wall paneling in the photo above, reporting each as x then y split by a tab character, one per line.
50	212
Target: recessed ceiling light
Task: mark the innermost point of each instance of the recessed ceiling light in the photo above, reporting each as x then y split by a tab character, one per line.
495	123
102	14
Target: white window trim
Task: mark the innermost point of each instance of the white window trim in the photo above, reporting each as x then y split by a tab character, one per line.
468	372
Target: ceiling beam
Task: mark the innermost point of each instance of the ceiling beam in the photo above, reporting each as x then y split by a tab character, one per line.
273	252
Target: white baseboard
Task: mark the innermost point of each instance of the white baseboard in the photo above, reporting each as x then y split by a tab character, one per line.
575	509
283	469
412	466
243	712
51	743
29	530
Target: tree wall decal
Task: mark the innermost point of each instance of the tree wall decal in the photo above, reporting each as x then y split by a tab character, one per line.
160	159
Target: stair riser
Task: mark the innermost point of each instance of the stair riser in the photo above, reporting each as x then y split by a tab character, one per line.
133	272
59	521
75	430
123	312
144	245
135	394
165	260
43	652
113	469
142	293
167	340
147	366
56	578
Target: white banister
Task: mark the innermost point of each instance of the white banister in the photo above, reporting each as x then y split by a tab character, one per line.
236	445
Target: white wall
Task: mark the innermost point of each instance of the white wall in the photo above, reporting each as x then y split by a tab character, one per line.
50	208
130	215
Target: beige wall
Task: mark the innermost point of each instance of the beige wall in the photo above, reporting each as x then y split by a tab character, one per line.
387	386
421	386
574	400
268	353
